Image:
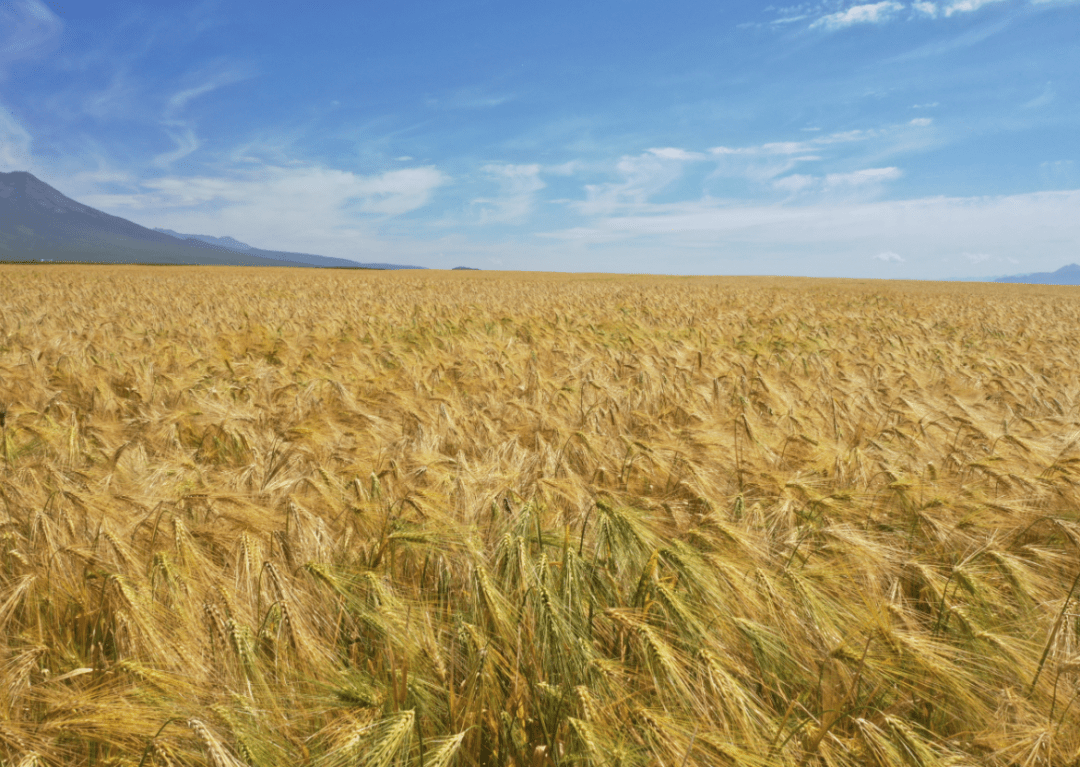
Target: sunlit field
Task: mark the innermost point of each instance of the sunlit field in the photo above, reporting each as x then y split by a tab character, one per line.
325	517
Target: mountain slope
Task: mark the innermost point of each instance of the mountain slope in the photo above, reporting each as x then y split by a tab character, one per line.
304	258
37	222
1066	275
229	243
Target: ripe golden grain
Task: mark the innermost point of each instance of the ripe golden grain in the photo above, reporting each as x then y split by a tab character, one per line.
329	517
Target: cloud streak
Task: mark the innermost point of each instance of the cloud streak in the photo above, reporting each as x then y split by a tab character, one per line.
643	176
869	13
518	185
308	208
890	10
179	100
27	28
966	6
935	234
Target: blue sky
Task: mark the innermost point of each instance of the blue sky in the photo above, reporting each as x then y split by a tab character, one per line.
889	139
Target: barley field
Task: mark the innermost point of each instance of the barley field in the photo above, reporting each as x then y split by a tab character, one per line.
419	519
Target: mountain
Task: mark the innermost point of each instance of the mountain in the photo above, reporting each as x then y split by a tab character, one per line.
39	223
1066	275
282	255
225	242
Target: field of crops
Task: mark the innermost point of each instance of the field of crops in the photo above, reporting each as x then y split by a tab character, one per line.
328	518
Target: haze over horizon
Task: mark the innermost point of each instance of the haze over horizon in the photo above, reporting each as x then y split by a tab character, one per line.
928	140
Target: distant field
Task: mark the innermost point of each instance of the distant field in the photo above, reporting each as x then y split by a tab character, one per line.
300	517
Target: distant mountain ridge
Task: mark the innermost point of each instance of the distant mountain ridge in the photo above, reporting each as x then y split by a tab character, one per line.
308	259
225	242
1066	275
39	223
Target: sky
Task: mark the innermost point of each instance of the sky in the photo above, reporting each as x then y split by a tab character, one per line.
893	139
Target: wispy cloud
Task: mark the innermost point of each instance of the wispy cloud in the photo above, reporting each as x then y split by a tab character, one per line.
890	10
862	177
518	185
181	131
475	97
890	257
391	193
860	180
870	13
1047	96
795	147
672	153
186	142
642	175
966	6
310	208
27	28
14	143
932	233
205	82
113	101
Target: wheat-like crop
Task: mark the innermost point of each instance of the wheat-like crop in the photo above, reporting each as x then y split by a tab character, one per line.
321	517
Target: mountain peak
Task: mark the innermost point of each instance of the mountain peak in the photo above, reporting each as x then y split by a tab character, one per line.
229	243
31	193
39	223
1066	275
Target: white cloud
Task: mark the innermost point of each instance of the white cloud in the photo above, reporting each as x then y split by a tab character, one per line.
397	192
27	28
870	13
862	177
795	147
828	237
643	176
774	148
212	82
868	177
921	122
877	13
186	142
967	6
788	19
977	258
671	153
890	257
518	185
179	130
768	163
285	188
310	209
